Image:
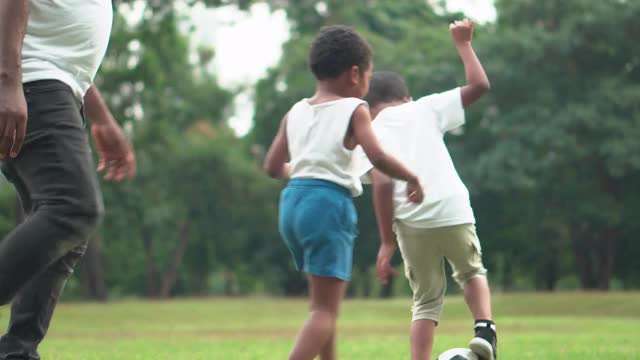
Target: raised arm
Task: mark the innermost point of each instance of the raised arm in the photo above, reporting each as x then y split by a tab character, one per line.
477	81
365	137
13	107
116	157
275	163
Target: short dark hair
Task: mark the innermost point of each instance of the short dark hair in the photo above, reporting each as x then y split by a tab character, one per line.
386	86
336	49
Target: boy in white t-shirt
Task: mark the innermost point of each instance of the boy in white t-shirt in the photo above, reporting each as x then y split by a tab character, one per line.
443	225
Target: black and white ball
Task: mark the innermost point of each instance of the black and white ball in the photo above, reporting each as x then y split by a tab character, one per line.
458	354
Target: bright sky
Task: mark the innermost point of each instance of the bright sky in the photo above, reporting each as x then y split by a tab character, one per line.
248	43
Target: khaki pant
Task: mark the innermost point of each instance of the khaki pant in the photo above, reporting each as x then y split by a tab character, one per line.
424	250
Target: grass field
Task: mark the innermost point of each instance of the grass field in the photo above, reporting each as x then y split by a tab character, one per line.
531	326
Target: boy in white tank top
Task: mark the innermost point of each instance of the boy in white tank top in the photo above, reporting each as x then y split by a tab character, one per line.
313	147
443	225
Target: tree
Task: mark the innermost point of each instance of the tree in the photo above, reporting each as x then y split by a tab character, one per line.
550	156
562	122
154	89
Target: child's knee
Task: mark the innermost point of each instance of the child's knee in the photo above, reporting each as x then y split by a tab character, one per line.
429	310
325	314
463	278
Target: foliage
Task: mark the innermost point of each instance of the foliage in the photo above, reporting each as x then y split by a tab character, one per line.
551	155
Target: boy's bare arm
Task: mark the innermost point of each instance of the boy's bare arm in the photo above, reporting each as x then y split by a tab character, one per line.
13	106
383	205
365	137
477	81
275	163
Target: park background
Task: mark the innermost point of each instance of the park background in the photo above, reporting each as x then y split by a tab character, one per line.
551	158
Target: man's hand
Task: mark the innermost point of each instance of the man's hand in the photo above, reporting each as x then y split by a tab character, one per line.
414	191
13	107
13	118
115	153
383	263
461	32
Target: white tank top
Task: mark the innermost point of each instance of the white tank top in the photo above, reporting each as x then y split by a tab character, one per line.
315	135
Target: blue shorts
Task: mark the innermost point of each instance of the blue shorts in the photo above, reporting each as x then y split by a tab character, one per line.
318	222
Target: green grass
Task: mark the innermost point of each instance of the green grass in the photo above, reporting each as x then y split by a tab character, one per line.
531	326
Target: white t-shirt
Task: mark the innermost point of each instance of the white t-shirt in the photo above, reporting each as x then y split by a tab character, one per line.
66	40
315	136
413	133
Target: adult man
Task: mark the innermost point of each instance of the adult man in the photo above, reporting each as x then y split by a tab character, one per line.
49	53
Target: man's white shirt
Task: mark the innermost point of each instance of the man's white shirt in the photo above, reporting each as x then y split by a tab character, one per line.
66	40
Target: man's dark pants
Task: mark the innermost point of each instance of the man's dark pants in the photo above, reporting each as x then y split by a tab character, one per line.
55	178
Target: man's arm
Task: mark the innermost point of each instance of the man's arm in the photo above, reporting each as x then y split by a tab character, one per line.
13	24
383	205
95	108
116	157
477	81
13	107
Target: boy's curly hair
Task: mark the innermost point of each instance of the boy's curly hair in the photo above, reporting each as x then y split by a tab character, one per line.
336	49
385	87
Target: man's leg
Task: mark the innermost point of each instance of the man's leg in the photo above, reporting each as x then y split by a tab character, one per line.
56	170
32	308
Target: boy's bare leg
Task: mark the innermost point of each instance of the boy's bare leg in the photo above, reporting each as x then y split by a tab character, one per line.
422	334
319	330
329	350
478	298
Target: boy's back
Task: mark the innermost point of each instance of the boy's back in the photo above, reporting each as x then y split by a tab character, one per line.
413	132
315	134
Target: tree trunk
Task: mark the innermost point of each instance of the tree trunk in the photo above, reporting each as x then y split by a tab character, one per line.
171	275
366	284
507	274
551	276
230	283
594	253
294	284
93	284
582	245
386	291
607	248
150	273
547	273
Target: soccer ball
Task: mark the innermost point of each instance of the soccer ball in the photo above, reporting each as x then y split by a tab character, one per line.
458	354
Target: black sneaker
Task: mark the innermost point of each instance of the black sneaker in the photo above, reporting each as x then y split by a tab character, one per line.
485	343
